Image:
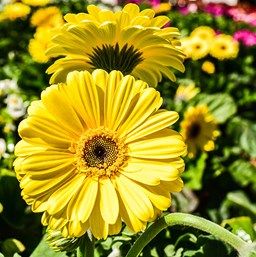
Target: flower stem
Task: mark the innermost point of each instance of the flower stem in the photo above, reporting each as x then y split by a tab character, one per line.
86	248
186	220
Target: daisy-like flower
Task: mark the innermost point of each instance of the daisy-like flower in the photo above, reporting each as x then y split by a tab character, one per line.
130	41
49	17
40	43
204	33
15	11
97	151
194	47
36	2
224	47
199	129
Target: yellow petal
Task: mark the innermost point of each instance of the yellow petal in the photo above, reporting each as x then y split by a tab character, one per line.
134	198
109	206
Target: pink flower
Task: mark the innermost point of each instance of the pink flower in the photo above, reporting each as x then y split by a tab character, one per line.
216	9
246	37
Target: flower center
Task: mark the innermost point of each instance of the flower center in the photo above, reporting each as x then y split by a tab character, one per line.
109	57
100	153
194	130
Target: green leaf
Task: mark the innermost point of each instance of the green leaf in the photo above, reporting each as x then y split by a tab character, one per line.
221	106
242	226
239	200
44	250
194	173
244	132
243	172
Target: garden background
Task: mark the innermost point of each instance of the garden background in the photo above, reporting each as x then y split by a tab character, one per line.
220	180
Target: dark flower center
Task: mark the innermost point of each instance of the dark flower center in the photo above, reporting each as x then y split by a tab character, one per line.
194	130
100	151
109	57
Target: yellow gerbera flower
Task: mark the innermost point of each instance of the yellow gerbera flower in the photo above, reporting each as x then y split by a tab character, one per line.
208	67
97	151
36	2
130	41
224	47
40	43
204	33
194	47
199	129
186	92
47	17
15	11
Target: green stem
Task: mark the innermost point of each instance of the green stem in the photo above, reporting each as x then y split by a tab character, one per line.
86	248
186	220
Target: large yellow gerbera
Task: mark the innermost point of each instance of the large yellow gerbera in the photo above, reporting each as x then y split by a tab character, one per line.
47	17
199	129
15	11
97	151
224	47
130	41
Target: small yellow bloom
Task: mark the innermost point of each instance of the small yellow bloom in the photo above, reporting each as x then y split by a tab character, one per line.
15	11
199	129
194	47
204	33
47	17
162	8
208	67
186	92
36	2
131	41
224	47
96	152
40	43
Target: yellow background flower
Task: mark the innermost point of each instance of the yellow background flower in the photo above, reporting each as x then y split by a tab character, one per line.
98	151
47	17
224	47
205	33
208	67
36	2
40	43
130	41
15	11
199	129
185	92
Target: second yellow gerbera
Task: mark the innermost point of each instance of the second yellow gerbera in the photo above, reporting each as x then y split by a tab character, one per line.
130	41
199	129
96	152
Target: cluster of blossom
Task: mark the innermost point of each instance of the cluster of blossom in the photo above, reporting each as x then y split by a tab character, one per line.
12	108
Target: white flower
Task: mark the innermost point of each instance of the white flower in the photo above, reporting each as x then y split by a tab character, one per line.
8	85
15	106
110	2
228	2
115	253
2	147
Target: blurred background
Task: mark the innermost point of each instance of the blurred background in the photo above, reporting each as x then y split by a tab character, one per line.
215	98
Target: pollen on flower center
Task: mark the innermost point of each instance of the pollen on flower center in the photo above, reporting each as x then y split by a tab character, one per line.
109	57
100	153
